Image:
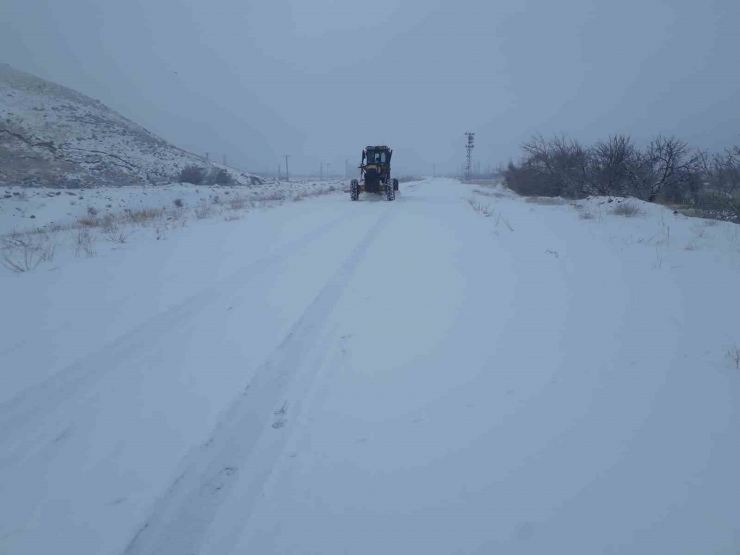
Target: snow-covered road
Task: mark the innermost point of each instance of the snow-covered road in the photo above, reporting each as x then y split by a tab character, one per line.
375	377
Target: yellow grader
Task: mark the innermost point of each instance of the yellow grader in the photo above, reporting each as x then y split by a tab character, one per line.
376	174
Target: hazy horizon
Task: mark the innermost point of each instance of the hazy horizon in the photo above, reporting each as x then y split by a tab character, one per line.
319	81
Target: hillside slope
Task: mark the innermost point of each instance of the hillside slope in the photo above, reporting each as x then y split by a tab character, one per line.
57	137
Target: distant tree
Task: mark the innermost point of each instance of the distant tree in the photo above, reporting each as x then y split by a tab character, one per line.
720	197
609	165
562	162
666	165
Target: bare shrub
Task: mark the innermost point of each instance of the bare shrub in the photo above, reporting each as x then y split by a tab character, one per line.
88	221
192	174
117	236
494	194
483	209
23	253
561	162
721	198
237	203
108	223
626	209
733	354
220	177
609	165
84	240
216	199
274	196
92	211
232	217
546	201
500	219
178	203
203	211
55	227
666	167
143	215
586	215
159	232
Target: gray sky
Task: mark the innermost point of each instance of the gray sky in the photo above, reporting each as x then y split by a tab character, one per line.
320	79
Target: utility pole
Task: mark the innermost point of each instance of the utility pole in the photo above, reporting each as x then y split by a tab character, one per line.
287	170
469	147
280	169
208	157
224	159
322	170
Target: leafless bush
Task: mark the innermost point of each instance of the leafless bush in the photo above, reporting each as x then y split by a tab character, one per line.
586	215
216	199
545	201
274	196
219	177
108	223
483	209
88	221
159	232
626	209
609	165
117	235
23	253
178	203
237	203
667	170
55	227
720	199
143	215
92	211
498	219
495	194
562	162
667	167
232	217
192	174
203	211
733	354
84	240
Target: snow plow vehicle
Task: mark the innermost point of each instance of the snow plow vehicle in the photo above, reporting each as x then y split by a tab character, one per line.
376	174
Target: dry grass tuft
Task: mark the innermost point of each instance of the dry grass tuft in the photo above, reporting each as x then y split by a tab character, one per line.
626	209
546	201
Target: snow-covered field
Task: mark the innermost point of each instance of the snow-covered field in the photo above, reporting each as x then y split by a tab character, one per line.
453	372
23	209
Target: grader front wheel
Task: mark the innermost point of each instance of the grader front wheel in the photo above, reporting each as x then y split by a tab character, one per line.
390	192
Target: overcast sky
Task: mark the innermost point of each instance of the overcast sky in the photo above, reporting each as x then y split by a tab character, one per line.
320	79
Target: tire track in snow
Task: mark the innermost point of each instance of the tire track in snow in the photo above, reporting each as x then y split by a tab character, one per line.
181	518
22	411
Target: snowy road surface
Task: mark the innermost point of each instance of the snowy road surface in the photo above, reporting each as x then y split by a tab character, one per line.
373	377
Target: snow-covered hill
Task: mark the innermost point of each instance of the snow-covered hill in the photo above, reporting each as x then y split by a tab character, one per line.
57	137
